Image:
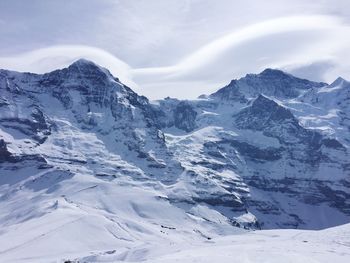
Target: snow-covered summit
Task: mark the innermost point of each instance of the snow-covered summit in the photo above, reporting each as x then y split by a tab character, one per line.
270	82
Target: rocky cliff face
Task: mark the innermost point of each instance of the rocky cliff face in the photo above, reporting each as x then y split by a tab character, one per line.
253	154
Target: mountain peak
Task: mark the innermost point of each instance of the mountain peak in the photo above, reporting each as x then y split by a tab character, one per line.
267	108
90	69
83	61
86	66
87	77
271	82
264	113
273	72
265	104
339	82
263	99
270	74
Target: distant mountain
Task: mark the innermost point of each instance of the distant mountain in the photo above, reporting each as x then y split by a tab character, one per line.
80	152
270	82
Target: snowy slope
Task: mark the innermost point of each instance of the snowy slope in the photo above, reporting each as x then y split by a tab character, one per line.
328	109
331	245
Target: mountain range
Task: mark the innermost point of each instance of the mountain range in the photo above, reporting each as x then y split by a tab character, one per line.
91	170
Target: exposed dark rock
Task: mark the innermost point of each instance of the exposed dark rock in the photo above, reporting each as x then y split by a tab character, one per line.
263	114
332	143
5	155
184	117
253	152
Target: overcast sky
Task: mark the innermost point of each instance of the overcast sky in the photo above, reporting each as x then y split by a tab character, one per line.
179	48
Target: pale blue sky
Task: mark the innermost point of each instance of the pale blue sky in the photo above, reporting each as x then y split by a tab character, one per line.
178	48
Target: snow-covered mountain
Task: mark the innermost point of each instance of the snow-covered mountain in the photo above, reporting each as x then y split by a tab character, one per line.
251	138
90	165
270	82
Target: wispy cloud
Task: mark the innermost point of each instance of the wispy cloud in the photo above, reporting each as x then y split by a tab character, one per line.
289	43
211	51
314	46
51	58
